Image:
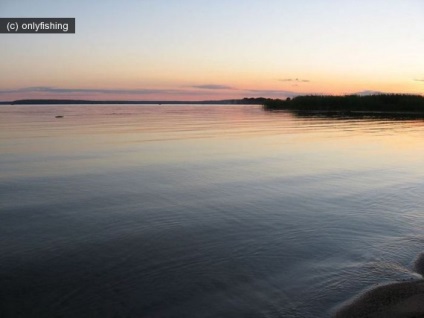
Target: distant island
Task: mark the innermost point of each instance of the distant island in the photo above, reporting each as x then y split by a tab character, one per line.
328	105
244	101
380	103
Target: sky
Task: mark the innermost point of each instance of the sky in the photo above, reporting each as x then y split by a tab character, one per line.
221	49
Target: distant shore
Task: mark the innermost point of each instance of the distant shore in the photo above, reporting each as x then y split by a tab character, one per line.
243	101
381	103
355	105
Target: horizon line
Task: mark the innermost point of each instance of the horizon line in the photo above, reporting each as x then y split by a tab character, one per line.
70	100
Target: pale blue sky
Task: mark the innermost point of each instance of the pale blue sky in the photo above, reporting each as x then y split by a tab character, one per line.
163	49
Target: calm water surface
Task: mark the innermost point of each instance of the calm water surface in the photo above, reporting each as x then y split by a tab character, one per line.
202	211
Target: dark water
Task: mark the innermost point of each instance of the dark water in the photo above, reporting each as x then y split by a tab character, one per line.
202	211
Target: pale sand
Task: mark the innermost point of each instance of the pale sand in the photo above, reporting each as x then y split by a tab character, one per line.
404	300
398	300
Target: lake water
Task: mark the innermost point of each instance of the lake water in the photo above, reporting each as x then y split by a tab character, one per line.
202	211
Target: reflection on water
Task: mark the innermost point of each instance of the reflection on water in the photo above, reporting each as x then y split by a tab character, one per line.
202	211
368	115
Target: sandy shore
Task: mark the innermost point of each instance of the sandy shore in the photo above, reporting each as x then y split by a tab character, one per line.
398	300
404	299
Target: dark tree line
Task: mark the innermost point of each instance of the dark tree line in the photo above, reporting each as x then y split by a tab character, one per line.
370	103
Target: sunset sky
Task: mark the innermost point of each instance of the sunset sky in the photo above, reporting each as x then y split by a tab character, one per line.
197	50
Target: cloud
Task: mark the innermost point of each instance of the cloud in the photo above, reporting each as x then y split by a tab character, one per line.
213	92
418	80
212	86
297	80
368	92
273	93
56	90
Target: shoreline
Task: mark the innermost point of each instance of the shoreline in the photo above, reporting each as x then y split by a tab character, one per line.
238	101
386	103
393	300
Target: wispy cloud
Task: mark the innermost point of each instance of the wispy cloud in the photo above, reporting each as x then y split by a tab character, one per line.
418	80
273	93
56	90
212	86
368	92
297	80
207	91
